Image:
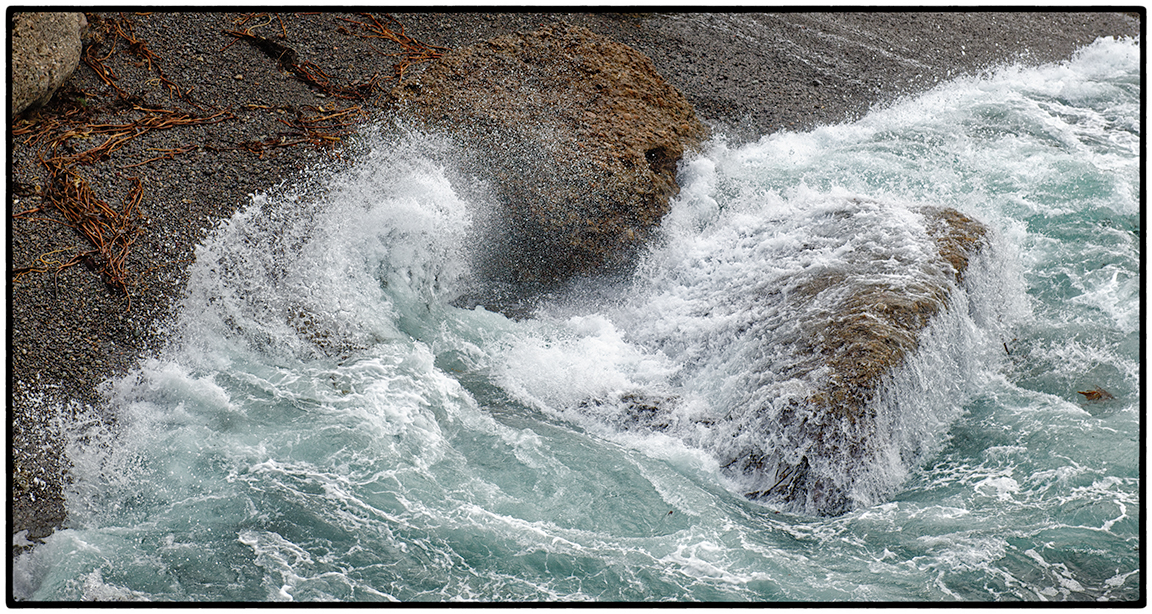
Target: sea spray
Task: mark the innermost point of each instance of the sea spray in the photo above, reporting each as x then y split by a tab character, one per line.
719	347
328	424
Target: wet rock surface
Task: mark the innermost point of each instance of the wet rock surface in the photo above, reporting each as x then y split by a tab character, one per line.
867	333
816	345
580	135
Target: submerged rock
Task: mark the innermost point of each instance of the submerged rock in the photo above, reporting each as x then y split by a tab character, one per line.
841	335
1096	394
838	440
580	139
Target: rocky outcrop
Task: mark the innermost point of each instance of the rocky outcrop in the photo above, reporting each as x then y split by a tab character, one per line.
45	51
841	349
869	327
580	136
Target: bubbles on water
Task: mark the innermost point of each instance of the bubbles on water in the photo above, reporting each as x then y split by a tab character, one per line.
342	261
327	425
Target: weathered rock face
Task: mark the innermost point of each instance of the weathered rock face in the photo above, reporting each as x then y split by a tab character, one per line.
45	51
836	436
580	136
820	354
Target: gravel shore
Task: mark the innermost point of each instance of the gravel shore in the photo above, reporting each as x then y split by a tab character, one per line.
229	119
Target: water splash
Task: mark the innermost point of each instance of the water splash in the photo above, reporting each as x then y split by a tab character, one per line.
329	424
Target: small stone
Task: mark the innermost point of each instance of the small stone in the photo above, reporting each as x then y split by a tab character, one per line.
1098	394
238	77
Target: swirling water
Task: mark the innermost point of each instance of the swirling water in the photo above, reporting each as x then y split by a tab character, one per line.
330	423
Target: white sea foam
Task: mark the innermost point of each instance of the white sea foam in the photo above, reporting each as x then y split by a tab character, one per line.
685	358
327	425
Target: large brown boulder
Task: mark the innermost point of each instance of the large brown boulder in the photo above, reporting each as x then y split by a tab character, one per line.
45	52
870	323
836	356
580	139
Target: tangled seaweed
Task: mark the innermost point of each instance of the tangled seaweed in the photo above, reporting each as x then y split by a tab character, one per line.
60	130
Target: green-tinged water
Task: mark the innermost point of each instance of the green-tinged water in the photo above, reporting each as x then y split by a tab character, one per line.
328	423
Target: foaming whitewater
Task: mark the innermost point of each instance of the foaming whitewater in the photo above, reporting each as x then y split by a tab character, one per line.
721	351
333	420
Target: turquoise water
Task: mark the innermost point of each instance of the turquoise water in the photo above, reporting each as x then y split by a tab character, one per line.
330	423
